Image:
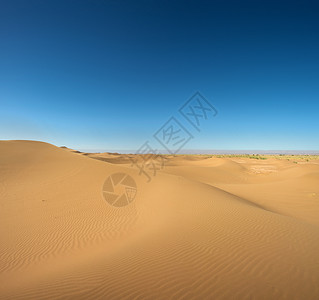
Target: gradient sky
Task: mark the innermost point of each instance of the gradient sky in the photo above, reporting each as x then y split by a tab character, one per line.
108	74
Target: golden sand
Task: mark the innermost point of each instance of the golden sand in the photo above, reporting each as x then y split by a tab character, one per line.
203	228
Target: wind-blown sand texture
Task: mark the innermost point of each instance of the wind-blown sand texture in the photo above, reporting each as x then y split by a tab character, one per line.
203	228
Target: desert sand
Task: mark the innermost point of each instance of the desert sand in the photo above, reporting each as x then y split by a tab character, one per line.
203	228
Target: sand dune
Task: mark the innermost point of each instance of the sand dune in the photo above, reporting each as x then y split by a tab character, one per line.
203	228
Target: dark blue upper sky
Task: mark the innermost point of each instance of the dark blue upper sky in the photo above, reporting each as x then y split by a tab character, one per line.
108	74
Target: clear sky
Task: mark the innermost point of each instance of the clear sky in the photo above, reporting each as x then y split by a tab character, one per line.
108	74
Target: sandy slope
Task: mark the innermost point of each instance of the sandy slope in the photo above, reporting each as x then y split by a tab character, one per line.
208	228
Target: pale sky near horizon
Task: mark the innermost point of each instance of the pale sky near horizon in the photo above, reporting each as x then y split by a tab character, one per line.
109	74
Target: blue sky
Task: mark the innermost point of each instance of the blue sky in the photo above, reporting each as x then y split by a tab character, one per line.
108	74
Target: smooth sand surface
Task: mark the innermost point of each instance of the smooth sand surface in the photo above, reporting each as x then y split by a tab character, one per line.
203	228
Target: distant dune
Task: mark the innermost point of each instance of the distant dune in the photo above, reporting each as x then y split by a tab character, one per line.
203	228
